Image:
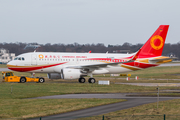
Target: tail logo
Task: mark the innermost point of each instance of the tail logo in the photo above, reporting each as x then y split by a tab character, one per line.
154	40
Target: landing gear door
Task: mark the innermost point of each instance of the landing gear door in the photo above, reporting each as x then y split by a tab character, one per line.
33	59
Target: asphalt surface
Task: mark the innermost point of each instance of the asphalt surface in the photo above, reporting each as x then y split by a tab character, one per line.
115	96
4	69
100	110
170	64
153	84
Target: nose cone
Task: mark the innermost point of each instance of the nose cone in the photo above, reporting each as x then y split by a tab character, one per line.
10	64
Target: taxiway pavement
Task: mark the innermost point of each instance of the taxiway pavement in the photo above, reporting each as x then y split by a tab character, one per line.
170	64
4	69
153	84
100	110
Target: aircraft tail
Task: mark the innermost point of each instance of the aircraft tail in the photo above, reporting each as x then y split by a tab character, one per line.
154	46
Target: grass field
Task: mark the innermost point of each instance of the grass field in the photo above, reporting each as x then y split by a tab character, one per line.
29	90
3	66
154	72
15	105
27	108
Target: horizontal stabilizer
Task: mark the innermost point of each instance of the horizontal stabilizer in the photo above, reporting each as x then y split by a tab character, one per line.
162	59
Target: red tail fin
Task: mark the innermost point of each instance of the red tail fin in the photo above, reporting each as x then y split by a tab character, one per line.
154	46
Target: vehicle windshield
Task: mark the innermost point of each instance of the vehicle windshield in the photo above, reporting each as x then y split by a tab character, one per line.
9	74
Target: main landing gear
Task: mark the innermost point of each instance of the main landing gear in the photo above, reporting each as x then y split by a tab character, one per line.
82	80
90	80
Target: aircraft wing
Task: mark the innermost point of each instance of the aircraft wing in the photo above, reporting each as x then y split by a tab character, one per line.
95	66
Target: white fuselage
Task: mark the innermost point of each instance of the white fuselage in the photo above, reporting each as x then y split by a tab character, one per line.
29	62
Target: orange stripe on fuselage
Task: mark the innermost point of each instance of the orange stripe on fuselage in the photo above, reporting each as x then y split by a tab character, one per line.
31	68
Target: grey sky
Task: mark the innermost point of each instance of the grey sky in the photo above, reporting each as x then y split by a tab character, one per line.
87	21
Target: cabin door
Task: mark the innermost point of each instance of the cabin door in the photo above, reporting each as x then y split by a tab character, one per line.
33	59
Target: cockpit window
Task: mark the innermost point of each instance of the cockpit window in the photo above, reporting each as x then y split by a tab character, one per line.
19	58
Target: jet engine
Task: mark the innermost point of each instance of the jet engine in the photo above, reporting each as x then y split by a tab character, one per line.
68	74
54	75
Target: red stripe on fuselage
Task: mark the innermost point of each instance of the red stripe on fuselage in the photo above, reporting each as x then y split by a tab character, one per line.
27	69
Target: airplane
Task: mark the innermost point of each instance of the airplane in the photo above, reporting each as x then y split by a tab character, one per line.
32	46
63	65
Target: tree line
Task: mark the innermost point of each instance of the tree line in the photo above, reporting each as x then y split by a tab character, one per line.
18	48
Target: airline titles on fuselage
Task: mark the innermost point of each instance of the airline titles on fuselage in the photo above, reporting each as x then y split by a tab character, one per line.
108	59
58	56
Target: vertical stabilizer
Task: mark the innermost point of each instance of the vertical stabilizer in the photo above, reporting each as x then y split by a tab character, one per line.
154	46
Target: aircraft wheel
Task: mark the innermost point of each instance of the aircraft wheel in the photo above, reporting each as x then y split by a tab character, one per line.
22	80
41	80
82	80
91	80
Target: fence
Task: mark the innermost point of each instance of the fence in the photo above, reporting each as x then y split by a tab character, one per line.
103	117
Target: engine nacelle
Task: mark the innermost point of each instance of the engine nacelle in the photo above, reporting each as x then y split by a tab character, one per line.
54	75
68	74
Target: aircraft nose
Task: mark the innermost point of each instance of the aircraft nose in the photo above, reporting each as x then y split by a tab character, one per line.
9	64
